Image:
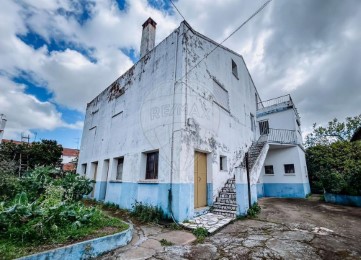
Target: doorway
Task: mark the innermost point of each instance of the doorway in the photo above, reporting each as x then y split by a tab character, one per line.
95	170
200	180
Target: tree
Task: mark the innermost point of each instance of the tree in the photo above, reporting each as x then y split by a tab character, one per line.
334	131
44	153
335	168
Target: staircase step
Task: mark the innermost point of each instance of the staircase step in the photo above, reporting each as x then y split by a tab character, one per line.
228	190
228	195
227	213
226	201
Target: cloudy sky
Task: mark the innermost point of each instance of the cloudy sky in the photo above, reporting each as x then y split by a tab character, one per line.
55	56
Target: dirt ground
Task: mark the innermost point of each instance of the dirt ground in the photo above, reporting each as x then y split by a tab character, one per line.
285	229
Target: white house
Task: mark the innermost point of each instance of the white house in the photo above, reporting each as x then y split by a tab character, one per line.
173	131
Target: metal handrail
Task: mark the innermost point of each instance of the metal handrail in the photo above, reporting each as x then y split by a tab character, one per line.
282	136
275	101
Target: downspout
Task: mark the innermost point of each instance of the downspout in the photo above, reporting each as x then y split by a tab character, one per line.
170	195
248	181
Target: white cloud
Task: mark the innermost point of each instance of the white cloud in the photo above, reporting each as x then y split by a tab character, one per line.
26	112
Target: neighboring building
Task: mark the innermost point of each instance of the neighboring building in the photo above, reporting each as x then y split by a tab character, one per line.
2	125
69	159
173	132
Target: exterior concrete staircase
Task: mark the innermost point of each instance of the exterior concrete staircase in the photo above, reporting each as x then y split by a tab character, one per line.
226	204
254	152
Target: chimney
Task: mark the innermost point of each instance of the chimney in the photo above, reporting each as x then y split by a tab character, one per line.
148	37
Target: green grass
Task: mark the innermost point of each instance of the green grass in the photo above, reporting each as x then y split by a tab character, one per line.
10	249
165	242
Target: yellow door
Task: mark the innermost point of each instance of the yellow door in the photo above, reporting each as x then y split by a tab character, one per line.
200	180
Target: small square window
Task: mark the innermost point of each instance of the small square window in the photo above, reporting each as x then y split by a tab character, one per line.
234	69
289	168
268	169
223	163
120	164
151	171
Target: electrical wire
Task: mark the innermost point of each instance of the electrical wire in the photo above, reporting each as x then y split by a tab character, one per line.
177	9
229	36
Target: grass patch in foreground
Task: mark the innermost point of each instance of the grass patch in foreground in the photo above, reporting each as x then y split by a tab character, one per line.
10	249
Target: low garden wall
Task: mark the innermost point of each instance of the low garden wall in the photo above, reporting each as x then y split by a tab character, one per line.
343	199
86	249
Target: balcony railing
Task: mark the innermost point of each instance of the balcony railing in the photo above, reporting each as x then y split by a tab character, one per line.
279	100
275	101
281	136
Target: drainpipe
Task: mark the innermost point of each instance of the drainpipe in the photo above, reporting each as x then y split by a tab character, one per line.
170	195
248	182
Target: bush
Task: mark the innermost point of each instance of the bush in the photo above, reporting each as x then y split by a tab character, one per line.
201	233
254	210
335	168
46	218
146	213
75	186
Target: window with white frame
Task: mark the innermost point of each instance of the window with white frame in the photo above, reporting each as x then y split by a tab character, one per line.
268	169
289	168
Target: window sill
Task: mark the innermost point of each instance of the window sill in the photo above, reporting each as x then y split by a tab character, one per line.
223	170
269	174
152	181
289	174
115	181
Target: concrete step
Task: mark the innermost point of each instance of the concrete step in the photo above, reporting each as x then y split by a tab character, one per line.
224	206
226	201
227	213
228	195
228	190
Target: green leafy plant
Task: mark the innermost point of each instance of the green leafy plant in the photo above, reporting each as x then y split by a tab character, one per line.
254	210
146	213
165	242
201	233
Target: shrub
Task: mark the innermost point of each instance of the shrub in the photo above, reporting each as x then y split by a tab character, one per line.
254	210
146	213
335	168
201	233
75	186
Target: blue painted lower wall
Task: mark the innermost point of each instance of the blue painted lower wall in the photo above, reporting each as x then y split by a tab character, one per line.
260	192
242	198
286	190
343	199
125	194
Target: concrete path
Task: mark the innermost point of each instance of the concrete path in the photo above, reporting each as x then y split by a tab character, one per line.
209	221
147	242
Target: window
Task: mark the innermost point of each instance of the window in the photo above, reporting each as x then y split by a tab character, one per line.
151	171
263	127
83	168
268	169
119	173
223	163
253	125
221	95
289	168
234	69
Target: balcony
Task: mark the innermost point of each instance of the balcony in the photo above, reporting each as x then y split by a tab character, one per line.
279	136
276	105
